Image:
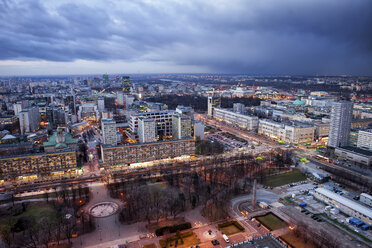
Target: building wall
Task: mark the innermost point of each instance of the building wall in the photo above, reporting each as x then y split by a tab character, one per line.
181	127
146	130
137	153
366	199
341	116
354	157
365	139
37	163
109	132
199	130
163	121
244	121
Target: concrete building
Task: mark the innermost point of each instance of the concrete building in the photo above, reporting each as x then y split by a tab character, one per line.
109	132
354	154
17	108
345	205
181	126
321	130
365	139
163	121
146	130
88	112
29	120
291	132
213	102
137	153
199	130
38	163
366	199
120	97
238	107
56	116
244	121
341	116
101	104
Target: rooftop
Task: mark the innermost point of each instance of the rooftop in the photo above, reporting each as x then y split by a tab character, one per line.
356	150
346	202
261	242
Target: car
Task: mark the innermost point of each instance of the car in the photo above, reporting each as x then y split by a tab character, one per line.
213	242
217	242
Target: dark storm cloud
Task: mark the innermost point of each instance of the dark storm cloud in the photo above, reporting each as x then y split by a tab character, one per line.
295	37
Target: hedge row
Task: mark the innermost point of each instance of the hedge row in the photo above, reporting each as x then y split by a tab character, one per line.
172	229
229	223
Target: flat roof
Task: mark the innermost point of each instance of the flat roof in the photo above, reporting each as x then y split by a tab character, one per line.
260	242
345	201
356	150
366	195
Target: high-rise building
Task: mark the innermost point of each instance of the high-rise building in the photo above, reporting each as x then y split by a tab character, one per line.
181	126
365	139
109	132
199	130
146	130
56	116
238	107
70	101
101	104
120	97
17	107
88	112
126	84
213	102
105	78
29	120
339	129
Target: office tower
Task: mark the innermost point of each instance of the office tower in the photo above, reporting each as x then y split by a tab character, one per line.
105	78
238	107
70	101
365	139
29	120
17	107
101	104
56	116
128	99
146	130
120	98
109	132
339	129
213	102
126	84
199	130
181	126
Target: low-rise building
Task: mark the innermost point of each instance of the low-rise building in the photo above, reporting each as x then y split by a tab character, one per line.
244	121
59	141
345	205
354	154
366	199
365	139
137	153
290	132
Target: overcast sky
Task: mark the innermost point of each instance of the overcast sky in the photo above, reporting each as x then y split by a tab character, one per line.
298	37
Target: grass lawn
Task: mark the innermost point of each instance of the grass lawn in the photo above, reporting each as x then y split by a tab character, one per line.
229	230
271	221
285	178
297	242
38	210
189	239
152	245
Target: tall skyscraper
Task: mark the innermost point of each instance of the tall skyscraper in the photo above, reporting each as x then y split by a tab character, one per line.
109	132
181	126
126	84
213	102
146	130
105	78
339	129
101	104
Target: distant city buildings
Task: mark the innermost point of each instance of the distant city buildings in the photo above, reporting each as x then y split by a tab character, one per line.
341	116
29	120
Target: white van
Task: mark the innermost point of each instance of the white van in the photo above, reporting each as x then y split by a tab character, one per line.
224	236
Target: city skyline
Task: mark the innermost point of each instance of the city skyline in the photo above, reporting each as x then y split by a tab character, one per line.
266	38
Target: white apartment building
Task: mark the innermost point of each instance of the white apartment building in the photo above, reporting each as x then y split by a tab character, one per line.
146	130
339	130
293	133
238	107
244	121
29	120
181	126
109	132
365	139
